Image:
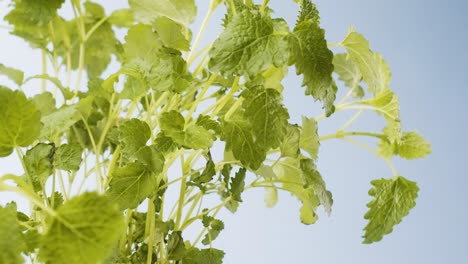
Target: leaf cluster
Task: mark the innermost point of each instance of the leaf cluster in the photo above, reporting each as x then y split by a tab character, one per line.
206	123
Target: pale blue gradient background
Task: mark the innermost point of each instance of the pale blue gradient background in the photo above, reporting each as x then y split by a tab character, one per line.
424	43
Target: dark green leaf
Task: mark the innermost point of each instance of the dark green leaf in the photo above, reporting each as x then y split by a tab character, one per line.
237	133
133	135
131	184
68	157
313	59
393	199
250	44
290	145
39	162
269	118
313	179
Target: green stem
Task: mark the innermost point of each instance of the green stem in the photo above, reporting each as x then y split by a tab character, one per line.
95	27
233	108
351	120
115	158
231	4
201	31
217	209
150	219
44	71
183	186
224	100
123	238
200	96
192	208
354	105
80	69
373	151
28	193
340	134
264	5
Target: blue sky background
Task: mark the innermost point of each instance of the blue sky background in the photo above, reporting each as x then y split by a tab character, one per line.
424	43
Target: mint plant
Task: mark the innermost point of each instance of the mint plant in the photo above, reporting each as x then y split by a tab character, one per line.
162	119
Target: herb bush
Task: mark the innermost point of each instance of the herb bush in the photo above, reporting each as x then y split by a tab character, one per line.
153	126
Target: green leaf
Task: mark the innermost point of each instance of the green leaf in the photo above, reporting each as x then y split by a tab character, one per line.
239	138
171	33
20	121
94	10
13	74
99	48
314	179
32	239
5	151
55	200
349	73
134	89
266	172
158	67
204	256
68	157
30	18
60	121
36	12
374	69
208	123
410	145
273	76
388	104
290	145
207	174
171	121
413	146
214	227
131	184
164	144
172	124
39	162
288	170
310	202
312	58
393	199
84	230
250	44
45	103
197	137
181	11
133	135
122	18
309	140
237	185
141	42
152	158
268	116
12	242
271	196
175	246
